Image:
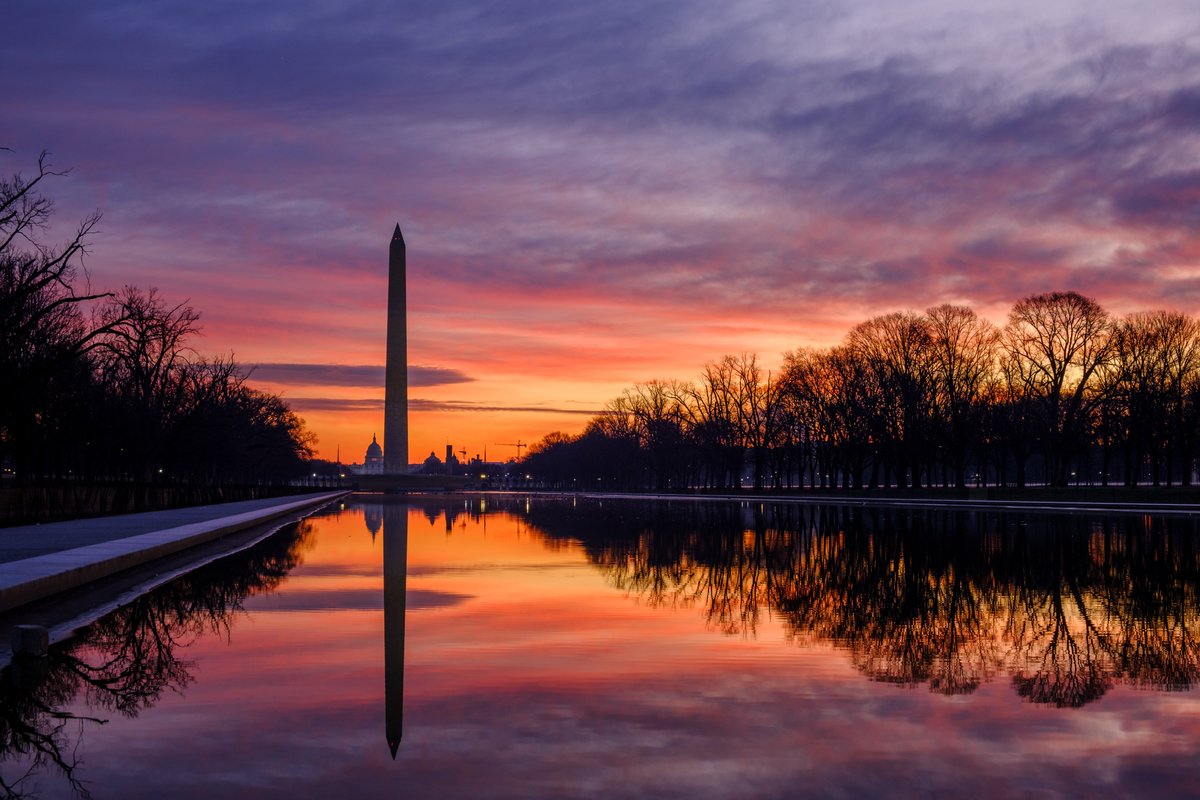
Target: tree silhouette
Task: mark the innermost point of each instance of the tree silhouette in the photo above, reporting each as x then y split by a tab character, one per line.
1056	345
113	395
964	361
917	400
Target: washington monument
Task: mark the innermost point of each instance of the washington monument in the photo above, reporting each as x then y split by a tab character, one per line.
395	398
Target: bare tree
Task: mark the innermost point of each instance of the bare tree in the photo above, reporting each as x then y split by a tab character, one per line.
1156	356
43	331
834	396
759	413
656	415
715	407
799	416
898	348
1056	344
38	282
143	359
145	349
964	360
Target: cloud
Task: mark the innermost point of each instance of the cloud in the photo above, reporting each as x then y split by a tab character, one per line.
1164	201
353	375
335	404
459	405
1183	107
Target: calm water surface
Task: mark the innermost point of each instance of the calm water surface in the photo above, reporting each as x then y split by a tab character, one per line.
513	647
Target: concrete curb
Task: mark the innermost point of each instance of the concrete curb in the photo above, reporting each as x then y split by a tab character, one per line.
36	578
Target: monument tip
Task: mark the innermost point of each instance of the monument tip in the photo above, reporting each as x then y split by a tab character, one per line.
393	745
397	234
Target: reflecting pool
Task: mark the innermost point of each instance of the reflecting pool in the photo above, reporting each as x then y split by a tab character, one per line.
506	646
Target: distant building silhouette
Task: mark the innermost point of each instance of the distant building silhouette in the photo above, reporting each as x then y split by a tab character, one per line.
433	465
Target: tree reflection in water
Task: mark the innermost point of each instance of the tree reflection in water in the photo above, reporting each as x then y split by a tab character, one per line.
1066	606
124	662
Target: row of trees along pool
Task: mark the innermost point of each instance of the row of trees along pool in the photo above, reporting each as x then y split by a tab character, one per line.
105	386
1063	393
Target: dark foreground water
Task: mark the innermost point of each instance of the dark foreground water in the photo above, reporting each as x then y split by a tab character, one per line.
533	648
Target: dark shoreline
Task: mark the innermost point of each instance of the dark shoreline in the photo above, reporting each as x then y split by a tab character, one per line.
58	502
1123	500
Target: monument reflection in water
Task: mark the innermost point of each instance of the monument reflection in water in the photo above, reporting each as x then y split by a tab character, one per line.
395	568
600	648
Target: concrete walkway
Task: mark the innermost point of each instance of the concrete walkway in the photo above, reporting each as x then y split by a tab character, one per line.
37	561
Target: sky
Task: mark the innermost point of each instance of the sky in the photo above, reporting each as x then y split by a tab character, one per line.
599	194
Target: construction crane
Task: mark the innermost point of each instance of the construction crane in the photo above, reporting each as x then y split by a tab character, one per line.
517	444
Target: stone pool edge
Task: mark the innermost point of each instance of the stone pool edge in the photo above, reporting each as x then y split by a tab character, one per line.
32	579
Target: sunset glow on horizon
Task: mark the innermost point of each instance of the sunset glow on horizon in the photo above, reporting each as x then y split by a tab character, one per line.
598	196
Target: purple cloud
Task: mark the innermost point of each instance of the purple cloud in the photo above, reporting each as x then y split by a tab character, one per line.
1167	201
352	375
338	404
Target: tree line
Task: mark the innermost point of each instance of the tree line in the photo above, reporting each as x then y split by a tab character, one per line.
105	385
1064	392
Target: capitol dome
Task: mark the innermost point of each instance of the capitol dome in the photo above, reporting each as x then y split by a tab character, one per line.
373	460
